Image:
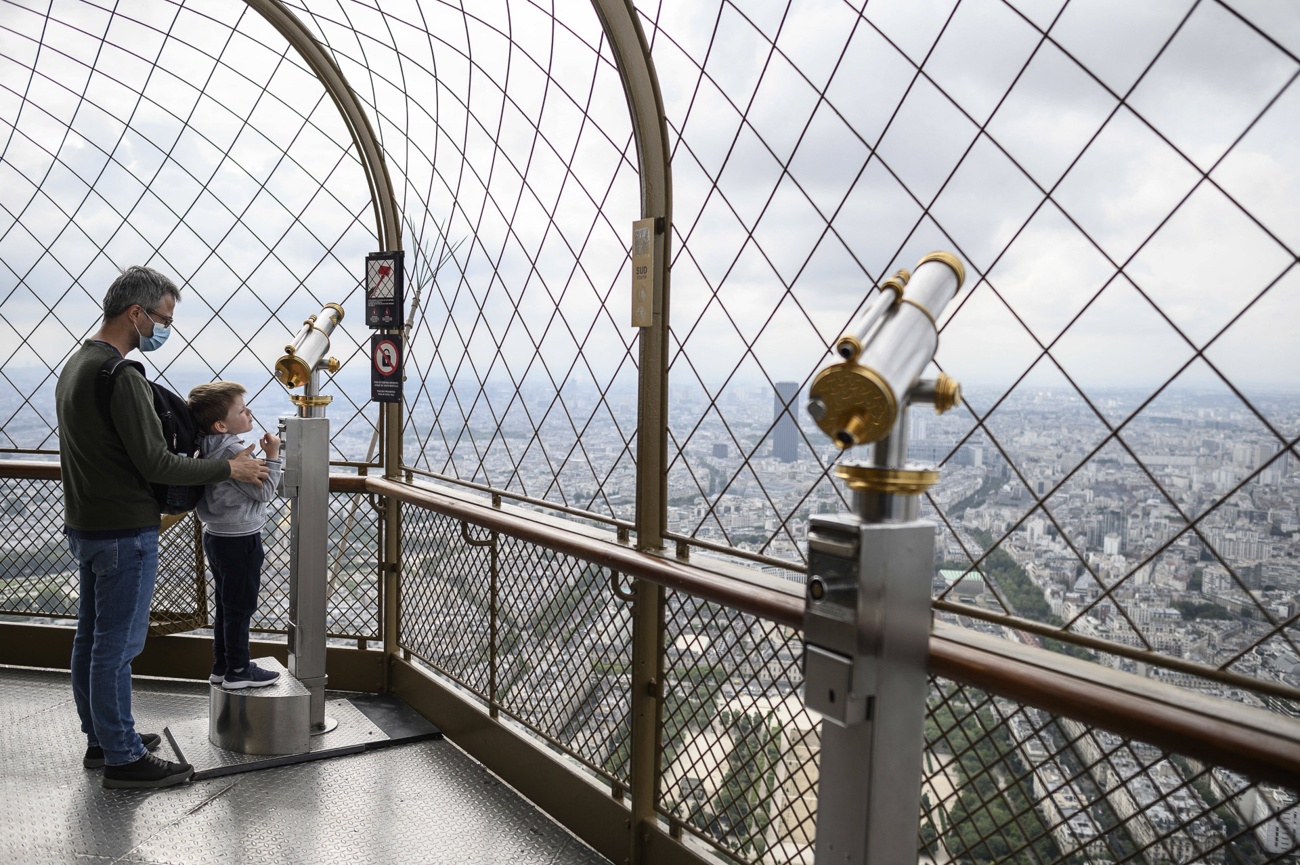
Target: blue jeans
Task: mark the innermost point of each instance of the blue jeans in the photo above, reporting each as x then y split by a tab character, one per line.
117	579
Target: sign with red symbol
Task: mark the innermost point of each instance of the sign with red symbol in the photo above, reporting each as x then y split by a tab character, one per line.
386	368
384	289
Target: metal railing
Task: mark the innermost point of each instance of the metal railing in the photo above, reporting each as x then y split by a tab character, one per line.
1029	755
40	578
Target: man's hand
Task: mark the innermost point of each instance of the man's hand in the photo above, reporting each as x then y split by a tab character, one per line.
244	468
271	445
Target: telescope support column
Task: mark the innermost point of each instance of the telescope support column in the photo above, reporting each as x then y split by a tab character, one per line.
867	639
307	468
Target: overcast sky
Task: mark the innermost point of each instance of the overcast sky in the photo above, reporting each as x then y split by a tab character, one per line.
815	151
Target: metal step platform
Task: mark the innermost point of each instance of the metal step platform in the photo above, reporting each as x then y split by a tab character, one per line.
258	728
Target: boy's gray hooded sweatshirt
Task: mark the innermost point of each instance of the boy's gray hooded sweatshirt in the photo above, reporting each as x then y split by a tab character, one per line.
233	508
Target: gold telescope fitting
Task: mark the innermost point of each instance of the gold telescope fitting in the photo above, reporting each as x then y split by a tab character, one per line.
898	482
299	399
292	371
947	393
859	405
949	259
852	344
897	282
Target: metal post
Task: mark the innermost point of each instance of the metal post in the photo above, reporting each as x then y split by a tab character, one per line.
631	51
306	483
647	711
391	562
866	655
307	457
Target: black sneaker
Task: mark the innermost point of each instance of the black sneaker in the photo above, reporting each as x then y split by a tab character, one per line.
94	758
148	771
218	673
251	676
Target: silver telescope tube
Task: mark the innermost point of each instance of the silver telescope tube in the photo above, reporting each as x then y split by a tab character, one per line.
860	400
849	346
307	351
906	342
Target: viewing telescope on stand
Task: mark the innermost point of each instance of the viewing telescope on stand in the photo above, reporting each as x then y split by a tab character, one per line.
305	481
867	603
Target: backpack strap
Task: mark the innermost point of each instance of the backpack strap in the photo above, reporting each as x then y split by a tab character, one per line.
108	373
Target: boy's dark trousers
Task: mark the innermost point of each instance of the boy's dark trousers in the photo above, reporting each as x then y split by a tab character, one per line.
236	565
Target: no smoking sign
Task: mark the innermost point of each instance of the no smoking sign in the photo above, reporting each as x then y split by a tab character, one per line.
386	367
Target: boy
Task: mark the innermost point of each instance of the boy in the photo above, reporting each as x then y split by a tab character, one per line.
233	514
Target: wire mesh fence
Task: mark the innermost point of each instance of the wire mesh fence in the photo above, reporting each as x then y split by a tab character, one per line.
40	581
542	638
1119	179
1123	460
40	577
739	750
186	137
1009	783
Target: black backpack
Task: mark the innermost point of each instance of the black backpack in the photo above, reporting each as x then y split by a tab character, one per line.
178	426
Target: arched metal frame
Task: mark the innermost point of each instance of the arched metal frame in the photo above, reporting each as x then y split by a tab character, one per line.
388	221
631	50
650	130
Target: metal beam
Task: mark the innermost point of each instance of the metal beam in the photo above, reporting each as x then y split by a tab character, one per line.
650	131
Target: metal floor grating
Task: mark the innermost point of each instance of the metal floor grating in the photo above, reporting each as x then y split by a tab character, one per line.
425	802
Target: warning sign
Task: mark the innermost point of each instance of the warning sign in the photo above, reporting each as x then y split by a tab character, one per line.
386	367
384	289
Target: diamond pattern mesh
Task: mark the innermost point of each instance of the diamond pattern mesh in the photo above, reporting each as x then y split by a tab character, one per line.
739	748
1114	336
538	636
39	575
352	562
180	597
1119	180
1099	209
1004	782
190	138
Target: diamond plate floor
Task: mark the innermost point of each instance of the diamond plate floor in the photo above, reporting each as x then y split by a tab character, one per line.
425	802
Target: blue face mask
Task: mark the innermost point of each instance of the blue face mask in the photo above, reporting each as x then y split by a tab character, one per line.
154	340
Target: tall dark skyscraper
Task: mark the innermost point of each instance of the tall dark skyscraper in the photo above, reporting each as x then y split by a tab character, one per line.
785	433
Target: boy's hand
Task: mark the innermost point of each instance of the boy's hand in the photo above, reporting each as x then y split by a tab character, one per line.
244	468
271	444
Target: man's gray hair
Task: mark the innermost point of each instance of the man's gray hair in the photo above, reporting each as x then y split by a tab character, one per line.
137	284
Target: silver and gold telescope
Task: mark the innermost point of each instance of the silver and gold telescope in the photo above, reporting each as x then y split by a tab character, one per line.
306	485
304	359
867	600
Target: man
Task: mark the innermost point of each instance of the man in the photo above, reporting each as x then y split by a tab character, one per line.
111	520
